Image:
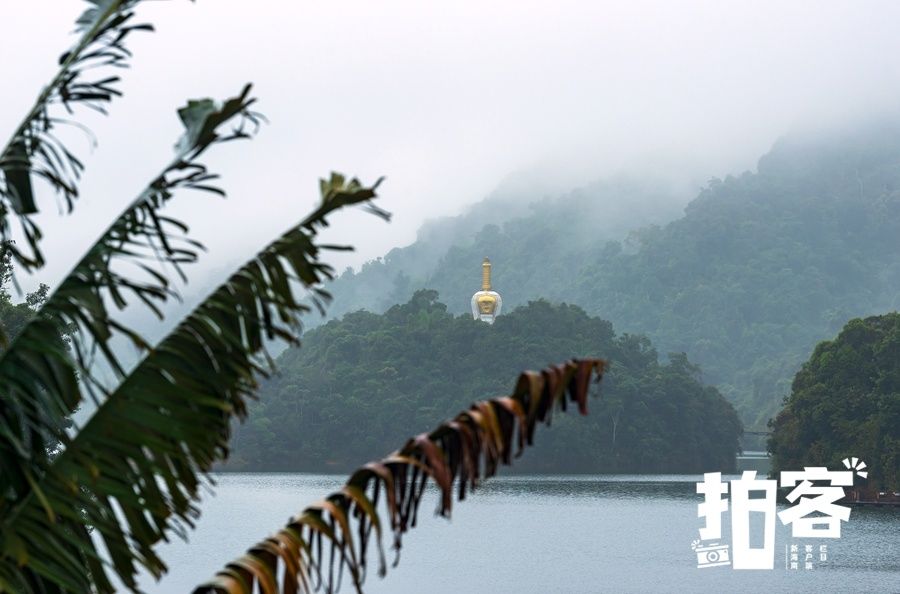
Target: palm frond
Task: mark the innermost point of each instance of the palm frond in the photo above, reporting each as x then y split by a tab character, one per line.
43	379
316	547
133	471
34	149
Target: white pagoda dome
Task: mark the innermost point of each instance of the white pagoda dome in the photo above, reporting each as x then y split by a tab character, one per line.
486	303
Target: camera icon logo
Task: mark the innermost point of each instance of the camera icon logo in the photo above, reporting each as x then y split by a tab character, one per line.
711	555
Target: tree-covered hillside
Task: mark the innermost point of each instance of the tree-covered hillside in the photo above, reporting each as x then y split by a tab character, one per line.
846	402
759	269
358	383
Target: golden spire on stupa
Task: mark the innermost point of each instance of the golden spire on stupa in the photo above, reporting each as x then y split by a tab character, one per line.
486	303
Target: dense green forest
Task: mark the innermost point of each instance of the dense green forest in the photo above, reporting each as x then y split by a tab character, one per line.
845	402
759	268
360	382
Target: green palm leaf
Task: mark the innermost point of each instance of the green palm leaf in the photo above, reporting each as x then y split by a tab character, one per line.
34	150
43	379
132	473
456	456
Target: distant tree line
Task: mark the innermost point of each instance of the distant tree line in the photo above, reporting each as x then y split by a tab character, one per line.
358	382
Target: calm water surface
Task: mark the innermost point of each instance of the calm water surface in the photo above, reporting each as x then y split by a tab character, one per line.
544	534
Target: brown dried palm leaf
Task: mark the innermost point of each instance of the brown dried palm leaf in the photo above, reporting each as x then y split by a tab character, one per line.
332	537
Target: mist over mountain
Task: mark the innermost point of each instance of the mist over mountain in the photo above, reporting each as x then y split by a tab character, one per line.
513	218
757	269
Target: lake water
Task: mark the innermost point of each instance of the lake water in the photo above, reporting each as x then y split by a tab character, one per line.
542	534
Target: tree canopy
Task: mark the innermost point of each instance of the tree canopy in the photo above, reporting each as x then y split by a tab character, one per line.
13	316
417	363
845	401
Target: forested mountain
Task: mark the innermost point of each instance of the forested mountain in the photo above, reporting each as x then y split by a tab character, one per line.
759	268
845	401
359	386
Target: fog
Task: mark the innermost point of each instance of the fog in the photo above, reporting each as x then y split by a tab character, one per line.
448	100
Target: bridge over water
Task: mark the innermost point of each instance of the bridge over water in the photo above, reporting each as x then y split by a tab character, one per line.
754	459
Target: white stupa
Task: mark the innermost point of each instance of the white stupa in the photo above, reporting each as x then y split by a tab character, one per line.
486	303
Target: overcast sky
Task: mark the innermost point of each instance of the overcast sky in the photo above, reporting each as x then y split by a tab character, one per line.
447	99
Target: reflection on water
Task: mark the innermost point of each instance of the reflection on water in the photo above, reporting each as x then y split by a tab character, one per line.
536	534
